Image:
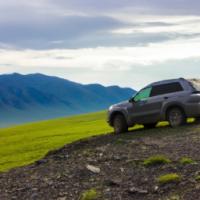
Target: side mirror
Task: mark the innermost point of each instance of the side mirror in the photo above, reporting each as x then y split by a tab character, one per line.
131	99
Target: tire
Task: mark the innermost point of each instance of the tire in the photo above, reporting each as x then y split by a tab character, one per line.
152	125
120	125
176	117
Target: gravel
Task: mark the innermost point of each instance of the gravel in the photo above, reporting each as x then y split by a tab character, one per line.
116	169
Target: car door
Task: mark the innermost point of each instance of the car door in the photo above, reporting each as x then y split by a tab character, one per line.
145	109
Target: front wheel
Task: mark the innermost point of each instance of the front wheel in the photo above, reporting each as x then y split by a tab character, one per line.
120	124
176	117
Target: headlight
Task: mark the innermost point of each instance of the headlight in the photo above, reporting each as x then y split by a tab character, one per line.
111	107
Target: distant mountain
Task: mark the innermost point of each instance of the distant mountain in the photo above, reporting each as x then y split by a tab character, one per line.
36	97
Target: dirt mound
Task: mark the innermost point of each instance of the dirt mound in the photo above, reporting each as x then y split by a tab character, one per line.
113	166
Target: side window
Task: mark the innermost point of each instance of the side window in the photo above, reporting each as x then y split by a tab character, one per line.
166	88
144	94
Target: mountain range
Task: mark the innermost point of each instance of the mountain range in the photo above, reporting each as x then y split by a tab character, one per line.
37	97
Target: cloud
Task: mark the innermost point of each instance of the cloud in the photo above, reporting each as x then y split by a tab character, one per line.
136	42
136	77
89	24
103	58
75	32
51	32
164	7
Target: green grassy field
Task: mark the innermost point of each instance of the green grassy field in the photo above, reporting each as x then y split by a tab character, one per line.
24	144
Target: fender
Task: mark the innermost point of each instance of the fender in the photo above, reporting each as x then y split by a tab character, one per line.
171	104
120	111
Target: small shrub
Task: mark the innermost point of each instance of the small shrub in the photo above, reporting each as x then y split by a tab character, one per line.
198	178
91	194
169	178
121	142
88	152
141	164
156	160
187	161
173	197
133	163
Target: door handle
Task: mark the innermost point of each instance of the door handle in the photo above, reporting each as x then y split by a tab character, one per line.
166	97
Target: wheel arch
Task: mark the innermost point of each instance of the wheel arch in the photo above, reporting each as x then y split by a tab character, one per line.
114	114
170	107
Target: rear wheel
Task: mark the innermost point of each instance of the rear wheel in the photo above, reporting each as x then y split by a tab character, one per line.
176	117
120	124
152	125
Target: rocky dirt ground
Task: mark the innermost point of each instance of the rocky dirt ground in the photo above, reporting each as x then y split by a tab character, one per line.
63	174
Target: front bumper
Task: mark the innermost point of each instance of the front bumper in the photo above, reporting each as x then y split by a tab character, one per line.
192	109
108	118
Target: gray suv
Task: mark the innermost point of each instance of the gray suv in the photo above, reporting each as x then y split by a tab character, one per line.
169	100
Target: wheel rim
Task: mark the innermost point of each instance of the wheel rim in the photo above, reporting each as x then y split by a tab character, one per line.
117	124
175	118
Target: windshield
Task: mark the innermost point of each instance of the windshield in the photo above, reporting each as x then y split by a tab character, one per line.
195	83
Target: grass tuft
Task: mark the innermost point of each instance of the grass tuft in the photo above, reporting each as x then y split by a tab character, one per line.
174	197
198	178
91	194
169	178
156	160
187	161
133	163
88	152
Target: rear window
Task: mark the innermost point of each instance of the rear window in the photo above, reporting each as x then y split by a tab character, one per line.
166	88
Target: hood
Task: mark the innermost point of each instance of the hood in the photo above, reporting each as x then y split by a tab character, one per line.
123	104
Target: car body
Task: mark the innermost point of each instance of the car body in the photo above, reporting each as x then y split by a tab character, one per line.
172	100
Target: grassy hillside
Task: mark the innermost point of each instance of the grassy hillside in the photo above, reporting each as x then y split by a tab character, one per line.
24	144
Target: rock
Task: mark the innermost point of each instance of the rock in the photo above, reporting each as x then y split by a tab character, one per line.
143	191
197	173
155	189
90	160
133	190
198	187
62	195
122	169
183	183
93	169
112	182
117	158
135	142
103	149
34	195
41	161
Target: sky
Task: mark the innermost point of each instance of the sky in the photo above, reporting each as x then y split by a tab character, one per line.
129	43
